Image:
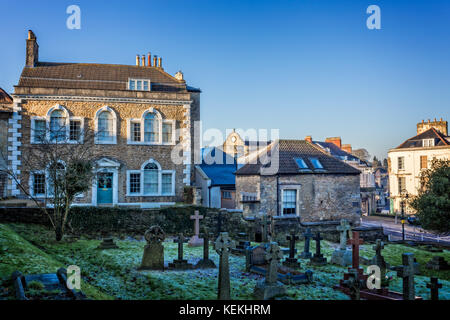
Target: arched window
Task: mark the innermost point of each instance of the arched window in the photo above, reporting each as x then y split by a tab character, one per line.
105	127
151	128
151	176
58	128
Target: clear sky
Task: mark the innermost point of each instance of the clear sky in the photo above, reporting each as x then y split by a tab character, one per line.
308	67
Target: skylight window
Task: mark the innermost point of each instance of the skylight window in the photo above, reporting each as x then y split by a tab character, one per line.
316	163
139	85
301	163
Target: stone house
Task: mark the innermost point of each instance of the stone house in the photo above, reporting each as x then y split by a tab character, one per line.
139	114
297	179
334	147
6	102
407	161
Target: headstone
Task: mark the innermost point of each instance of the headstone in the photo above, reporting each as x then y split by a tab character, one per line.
434	287
266	224
354	284
180	263
243	244
223	245
195	241
153	258
206	262
318	257
438	263
306	254
379	261
291	261
270	287
107	243
407	272
342	256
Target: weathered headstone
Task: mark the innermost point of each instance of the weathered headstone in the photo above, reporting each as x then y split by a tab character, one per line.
318	257
438	263
379	261
107	243
195	241
242	245
266	224
306	254
153	258
342	256
206	262
355	241
291	261
223	246
270	287
354	284
180	263
407	272
434	287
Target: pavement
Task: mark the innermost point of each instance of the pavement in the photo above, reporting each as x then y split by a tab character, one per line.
394	230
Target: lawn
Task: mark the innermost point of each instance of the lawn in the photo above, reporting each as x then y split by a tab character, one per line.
112	274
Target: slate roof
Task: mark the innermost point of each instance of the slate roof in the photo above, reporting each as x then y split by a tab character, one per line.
5	101
97	76
222	172
432	133
288	151
336	152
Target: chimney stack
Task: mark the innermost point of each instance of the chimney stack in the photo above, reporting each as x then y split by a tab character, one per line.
160	62
179	76
155	58
149	59
137	60
335	140
32	54
143	61
309	139
347	148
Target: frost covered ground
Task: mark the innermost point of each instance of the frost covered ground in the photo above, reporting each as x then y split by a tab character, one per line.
112	274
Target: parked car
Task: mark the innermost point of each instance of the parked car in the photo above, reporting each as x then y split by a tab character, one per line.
413	220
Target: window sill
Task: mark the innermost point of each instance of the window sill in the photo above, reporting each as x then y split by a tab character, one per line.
286	216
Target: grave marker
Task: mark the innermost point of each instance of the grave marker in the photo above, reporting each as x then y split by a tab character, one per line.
407	272
223	246
180	263
195	241
153	258
434	287
292	262
318	257
308	235
206	262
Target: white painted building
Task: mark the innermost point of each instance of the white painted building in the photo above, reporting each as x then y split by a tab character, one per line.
408	160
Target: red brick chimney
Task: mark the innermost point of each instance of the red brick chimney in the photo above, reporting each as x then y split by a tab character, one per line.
308	138
335	140
347	148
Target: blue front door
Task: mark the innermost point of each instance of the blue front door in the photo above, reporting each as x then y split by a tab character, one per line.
104	187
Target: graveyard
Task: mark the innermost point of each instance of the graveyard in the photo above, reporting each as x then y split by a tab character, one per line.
116	273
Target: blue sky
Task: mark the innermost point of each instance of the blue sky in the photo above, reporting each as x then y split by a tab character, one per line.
305	67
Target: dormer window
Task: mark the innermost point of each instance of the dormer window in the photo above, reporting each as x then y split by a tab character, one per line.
301	164
139	85
428	143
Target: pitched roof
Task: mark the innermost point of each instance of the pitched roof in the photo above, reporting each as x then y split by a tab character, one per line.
97	76
336	152
5	101
290	150
218	166
416	141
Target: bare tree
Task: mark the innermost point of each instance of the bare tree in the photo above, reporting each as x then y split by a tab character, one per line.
60	164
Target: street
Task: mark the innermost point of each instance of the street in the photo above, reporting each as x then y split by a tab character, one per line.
394	231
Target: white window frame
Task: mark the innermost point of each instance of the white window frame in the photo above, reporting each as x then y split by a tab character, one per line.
47	127
403	163
135	84
427	143
114	128
31	183
283	188
141	120
160	173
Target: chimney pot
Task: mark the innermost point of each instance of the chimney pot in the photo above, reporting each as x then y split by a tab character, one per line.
309	139
149	59
143	60
137	60
155	58
160	62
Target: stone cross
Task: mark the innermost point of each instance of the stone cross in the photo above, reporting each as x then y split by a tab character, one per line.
219	222
205	245
407	272
195	241
180	240
273	255
434	287
355	242
343	228
266	223
223	245
205	263
318	238
354	284
379	260
308	235
292	238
